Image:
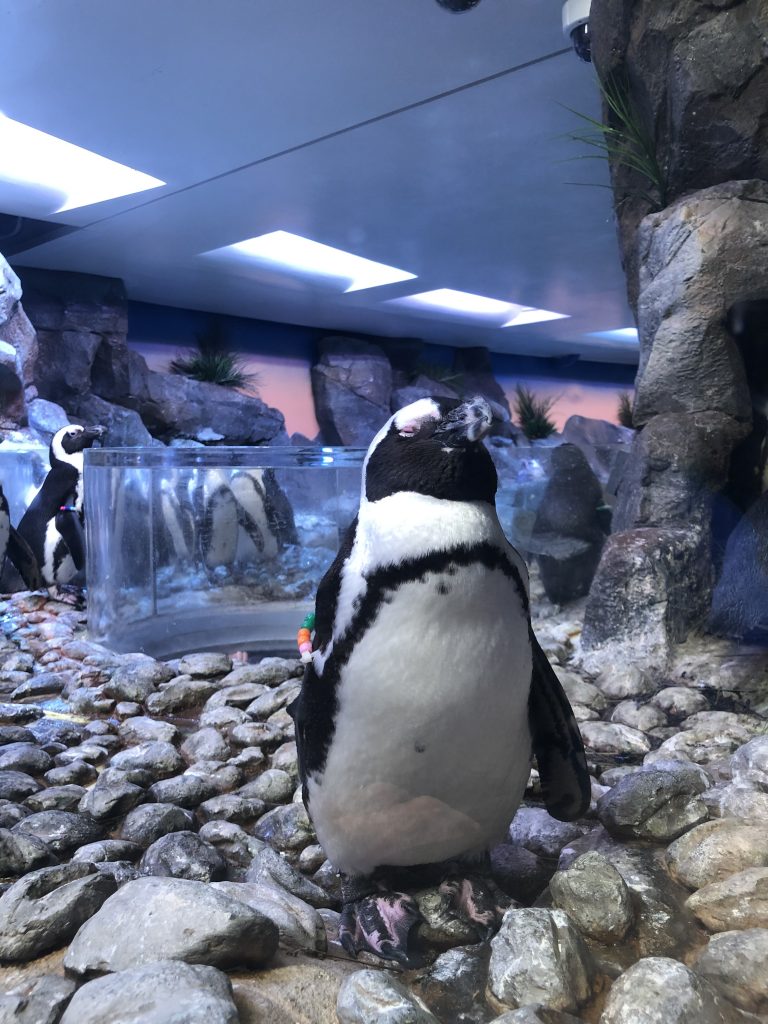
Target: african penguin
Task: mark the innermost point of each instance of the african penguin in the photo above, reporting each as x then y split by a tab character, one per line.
264	513
216	515
17	550
427	690
53	525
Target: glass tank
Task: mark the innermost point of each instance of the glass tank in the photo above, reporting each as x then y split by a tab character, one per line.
22	470
211	548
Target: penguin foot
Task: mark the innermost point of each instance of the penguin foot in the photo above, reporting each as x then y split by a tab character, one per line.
475	902
379	924
68	593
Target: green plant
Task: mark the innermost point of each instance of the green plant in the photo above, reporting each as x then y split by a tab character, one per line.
624	140
214	362
532	413
624	412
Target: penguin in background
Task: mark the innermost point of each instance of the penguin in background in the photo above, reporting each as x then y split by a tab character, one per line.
177	517
264	512
217	520
53	525
427	691
16	550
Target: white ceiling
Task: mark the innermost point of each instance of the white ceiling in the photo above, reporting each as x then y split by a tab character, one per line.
429	141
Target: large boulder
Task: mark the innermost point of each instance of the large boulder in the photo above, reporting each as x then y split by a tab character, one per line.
10	291
124	427
352	386
17	342
474	372
599	440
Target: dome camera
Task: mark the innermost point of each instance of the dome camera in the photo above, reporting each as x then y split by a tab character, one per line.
576	25
457	6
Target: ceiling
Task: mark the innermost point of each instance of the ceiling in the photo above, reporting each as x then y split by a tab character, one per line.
429	141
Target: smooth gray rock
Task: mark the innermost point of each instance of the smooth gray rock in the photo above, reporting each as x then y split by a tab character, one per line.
371	997
38	1000
642	717
140	729
455	983
740	901
111	797
536	830
538	955
62	831
735	964
596	898
272	786
183	855
750	763
223	777
351	386
268	866
656	805
77	772
159	758
11	813
15	714
658	990
205	745
715	850
157	993
300	925
180	694
41	685
610	738
17	786
56	798
44	909
108	850
205	664
136	682
268	672
147	823
680	701
21	853
536	1014
518	872
183	790
171	918
286	828
257	734
231	807
121	871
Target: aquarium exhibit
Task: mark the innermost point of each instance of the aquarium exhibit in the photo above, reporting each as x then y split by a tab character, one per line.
384	512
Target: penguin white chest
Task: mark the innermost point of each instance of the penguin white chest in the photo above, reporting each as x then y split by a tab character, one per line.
431	748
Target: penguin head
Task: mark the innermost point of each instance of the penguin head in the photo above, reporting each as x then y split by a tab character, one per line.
434	447
69	443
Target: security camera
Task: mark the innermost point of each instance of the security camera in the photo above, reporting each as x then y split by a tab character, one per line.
576	25
457	6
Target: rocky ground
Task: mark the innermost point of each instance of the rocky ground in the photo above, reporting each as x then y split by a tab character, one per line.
158	865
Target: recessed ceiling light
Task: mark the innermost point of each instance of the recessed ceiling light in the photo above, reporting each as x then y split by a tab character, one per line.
448	300
34	158
284	250
621	334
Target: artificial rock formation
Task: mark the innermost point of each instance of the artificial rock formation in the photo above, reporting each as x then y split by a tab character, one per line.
696	77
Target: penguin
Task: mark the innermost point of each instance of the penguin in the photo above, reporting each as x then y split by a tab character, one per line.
217	518
178	520
427	691
16	549
53	525
264	512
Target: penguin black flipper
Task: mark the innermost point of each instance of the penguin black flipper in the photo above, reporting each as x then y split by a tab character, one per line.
20	554
71	529
314	709
557	742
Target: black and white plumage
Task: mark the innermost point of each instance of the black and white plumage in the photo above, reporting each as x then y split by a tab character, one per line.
53	525
427	691
15	548
264	512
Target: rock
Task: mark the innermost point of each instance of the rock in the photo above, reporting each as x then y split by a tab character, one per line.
182	790
535	1013
679	701
44	909
205	665
268	866
62	831
658	990
734	964
609	738
238	695
123	427
744	803
223	777
351	387
300	925
180	694
222	718
149	822
137	681
655	805
536	830
579	691
642	717
121	871
741	901
38	1000
750	763
595	897
20	853
15	714
17	786
56	798
231	807
598	441
183	855
369	997
47	418
158	758
108	850
519	873
77	772
205	745
708	736
268	672
171	918
140	729
111	797
10	813
539	955
41	685
257	734
286	828
715	850
272	786
155	994
10	291
454	984
569	531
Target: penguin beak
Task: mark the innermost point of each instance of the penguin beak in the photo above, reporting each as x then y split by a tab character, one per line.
91	434
467	423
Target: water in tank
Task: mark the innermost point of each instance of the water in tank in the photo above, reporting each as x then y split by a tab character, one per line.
211	548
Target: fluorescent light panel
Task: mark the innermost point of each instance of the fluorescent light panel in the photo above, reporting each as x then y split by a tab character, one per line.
286	251
621	334
449	300
31	157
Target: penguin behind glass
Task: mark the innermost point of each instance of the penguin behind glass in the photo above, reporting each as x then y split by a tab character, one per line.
18	552
427	690
264	512
53	525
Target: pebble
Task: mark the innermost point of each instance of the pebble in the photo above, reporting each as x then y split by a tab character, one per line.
741	801
111	797
56	798
371	997
145	824
10	813
205	745
609	738
750	763
42	684
14	714
140	729
136	682
155	994
741	901
45	908
92	752
268	866
713	851
223	777
149	919
453	987
223	718
20	853
17	786
62	831
159	758
77	772
183	855
539	955
655	805
237	696
659	990
642	717
579	691
183	790
107	850
536	830
286	828
205	664
257	734
519	873
596	898
231	807
272	786
37	1000
735	964
679	701
179	695
624	681
299	924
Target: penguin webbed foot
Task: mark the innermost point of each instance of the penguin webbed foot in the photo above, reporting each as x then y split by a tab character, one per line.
379	923
68	593
476	902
